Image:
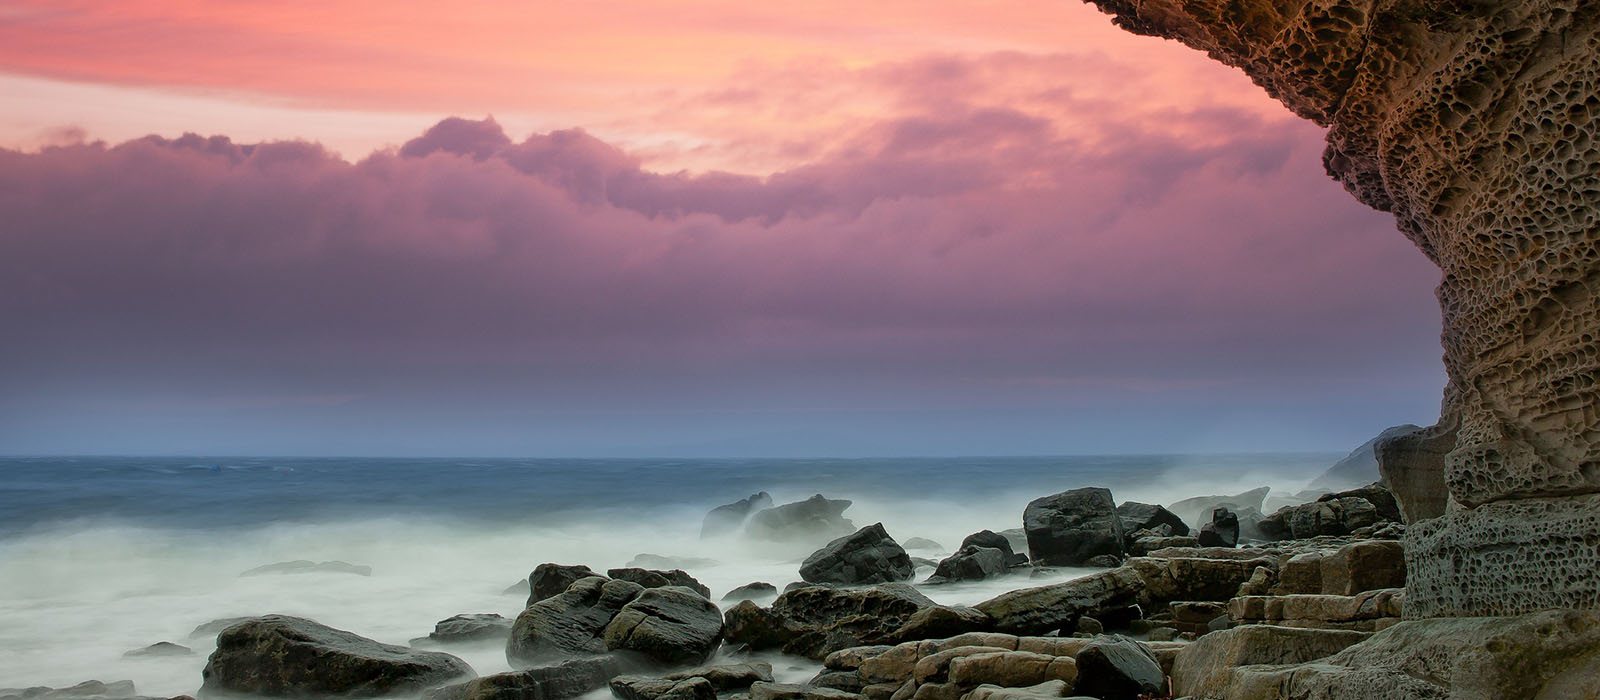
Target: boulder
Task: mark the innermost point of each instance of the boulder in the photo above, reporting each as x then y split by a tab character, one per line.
727	519
1073	527
1144	516
657	579
941	621
281	656
1049	690
303	566
469	628
159	649
549	580
1058	606
570	624
1202	668
752	591
87	690
727	676
995	540
1338	516
1197	510
1012	669
569	679
1366	565
972	563
1380	498
647	688
1411	466
817	620
1018	538
1361	465
1114	667
670	625
814	519
869	555
923	543
1197	578
1222	531
1367	611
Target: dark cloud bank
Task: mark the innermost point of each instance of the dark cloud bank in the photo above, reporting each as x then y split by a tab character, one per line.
960	282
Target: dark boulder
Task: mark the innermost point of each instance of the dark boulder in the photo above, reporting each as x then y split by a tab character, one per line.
549	580
972	563
560	682
1072	527
1334	514
1114	667
671	625
1144	516
1381	499
1033	611
727	519
659	579
283	656
752	591
995	540
469	628
869	555
727	676
1222	531
647	688
941	622
815	621
814	519
570	624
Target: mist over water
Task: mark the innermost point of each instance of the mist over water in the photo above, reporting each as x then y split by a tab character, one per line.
99	556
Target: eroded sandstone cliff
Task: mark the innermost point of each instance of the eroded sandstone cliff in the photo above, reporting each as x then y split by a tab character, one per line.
1474	123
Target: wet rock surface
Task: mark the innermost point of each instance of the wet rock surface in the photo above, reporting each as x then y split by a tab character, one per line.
868	555
570	624
281	656
1073	527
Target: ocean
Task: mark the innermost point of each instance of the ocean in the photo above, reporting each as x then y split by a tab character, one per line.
102	555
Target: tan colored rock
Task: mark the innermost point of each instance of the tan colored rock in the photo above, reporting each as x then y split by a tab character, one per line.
1412	467
1048	608
1301	574
1364	566
935	667
1012	669
1047	689
1202	669
1474	124
1167	579
1366	612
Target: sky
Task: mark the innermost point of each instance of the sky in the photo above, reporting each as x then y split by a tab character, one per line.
706	228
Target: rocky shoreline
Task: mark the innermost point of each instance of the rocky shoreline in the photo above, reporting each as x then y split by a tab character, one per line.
1228	603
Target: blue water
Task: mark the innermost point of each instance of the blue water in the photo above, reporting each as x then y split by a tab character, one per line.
234	492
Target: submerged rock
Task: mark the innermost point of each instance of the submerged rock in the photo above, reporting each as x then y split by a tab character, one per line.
160	649
467	628
570	624
869	555
87	690
647	688
213	628
814	519
972	563
995	540
283	656
304	566
671	625
1073	527
549	579
752	591
923	543
817	620
727	676
667	563
727	519
658	579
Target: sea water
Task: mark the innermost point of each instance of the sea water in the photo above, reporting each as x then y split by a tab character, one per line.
102	555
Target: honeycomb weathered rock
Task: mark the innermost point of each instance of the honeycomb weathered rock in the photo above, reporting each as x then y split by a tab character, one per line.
1474	123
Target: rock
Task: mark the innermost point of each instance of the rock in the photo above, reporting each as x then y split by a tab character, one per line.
1198	510
283	656
1143	516
1049	690
520	589
646	688
728	676
851	659
1202	668
1364	612
1144	545
1363	566
658	562
811	520
213	628
923	543
1089	626
570	624
941	621
549	580
1018	538
480	627
1058	606
1380	498
160	649
1072	527
1194	578
816	621
752	591
566	680
1339	516
869	555
972	563
1163	634
995	540
786	691
1222	531
87	690
924	563
671	625
1011	669
303	566
1114	667
1361	465
838	680
657	579
727	519
1411	466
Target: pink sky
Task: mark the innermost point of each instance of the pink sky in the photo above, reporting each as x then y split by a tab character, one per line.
704	227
